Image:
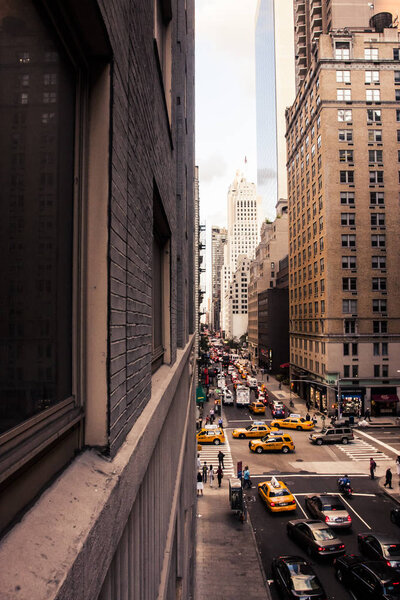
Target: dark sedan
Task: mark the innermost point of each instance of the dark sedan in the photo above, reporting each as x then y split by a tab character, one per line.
295	578
378	546
316	537
369	580
330	509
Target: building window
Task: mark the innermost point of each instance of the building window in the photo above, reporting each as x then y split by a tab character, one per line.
385	370
379	262
346	176
346	370
342	76
348	241
342	50
375	156
377	219
397	76
345	135
343	94
396	53
379	305
372	95
375	177
371	76
347	198
349	326
349	284
344	115
346	156
374	135
354	371
162	36
378	240
348	219
377	370
349	306
374	115
379	284
377	198
371	53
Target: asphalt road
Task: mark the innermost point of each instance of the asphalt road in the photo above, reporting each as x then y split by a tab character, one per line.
312	470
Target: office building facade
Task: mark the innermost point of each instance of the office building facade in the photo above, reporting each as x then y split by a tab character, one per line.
219	237
97	299
343	135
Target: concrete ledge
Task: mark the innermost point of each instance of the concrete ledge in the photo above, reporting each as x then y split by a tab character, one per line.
67	540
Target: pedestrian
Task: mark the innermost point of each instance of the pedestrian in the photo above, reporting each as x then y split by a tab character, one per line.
220	475
372	467
205	471
212	416
307	417
367	415
280	385
314	419
207	420
198	463
221	456
388	480
267	378
211	475
323	421
220	423
398	467
200	484
246	478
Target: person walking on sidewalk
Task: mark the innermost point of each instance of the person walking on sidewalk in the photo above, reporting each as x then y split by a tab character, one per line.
388	480
198	463
221	456
372	467
220	475
280	385
211	475
367	415
246	478
200	484
307	417
205	470
220	423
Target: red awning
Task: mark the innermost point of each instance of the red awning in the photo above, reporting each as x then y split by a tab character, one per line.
284	365
385	398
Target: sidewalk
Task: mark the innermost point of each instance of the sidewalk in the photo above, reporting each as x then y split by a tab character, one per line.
227	562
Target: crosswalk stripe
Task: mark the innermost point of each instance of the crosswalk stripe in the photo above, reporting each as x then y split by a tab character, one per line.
360	451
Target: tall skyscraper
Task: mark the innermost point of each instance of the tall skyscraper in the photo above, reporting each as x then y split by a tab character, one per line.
343	134
275	90
219	237
314	17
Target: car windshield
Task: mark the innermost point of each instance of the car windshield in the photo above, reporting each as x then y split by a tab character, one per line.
322	535
249	427
333	506
391	550
279	493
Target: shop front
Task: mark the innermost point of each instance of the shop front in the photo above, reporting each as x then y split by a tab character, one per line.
318	398
383	403
352	402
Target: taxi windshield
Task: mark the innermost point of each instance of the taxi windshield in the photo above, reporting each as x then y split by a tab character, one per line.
322	535
275	493
249	427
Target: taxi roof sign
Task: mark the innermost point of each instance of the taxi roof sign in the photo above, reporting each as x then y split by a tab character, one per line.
275	483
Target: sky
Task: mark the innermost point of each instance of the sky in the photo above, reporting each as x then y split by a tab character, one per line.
225	105
225	100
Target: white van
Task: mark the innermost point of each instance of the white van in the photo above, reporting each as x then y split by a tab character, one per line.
252	382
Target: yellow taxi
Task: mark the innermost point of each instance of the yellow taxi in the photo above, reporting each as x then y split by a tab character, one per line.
257	408
276	495
298	423
211	436
255	430
280	443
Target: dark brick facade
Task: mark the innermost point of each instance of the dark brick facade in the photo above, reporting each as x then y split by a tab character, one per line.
146	151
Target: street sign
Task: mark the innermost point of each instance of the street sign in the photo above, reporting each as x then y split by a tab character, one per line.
200	394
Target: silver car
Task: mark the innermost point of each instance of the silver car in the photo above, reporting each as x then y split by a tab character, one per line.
330	509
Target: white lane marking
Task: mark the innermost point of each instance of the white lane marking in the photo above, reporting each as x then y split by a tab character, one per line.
290	475
237	421
299	505
390	448
355	512
332	494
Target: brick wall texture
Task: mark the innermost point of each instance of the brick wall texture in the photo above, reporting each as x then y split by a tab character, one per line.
146	150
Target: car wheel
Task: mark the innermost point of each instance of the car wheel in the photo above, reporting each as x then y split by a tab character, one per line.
298	428
285	449
259	450
242	436
345	441
216	442
319	442
339	575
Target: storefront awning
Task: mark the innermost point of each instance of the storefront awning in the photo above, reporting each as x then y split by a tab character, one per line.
385	398
284	365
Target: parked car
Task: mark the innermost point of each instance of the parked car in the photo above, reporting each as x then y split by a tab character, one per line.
275	443
380	546
295	578
329	509
332	435
369	580
315	537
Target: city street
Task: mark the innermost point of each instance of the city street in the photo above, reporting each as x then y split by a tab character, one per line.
309	470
